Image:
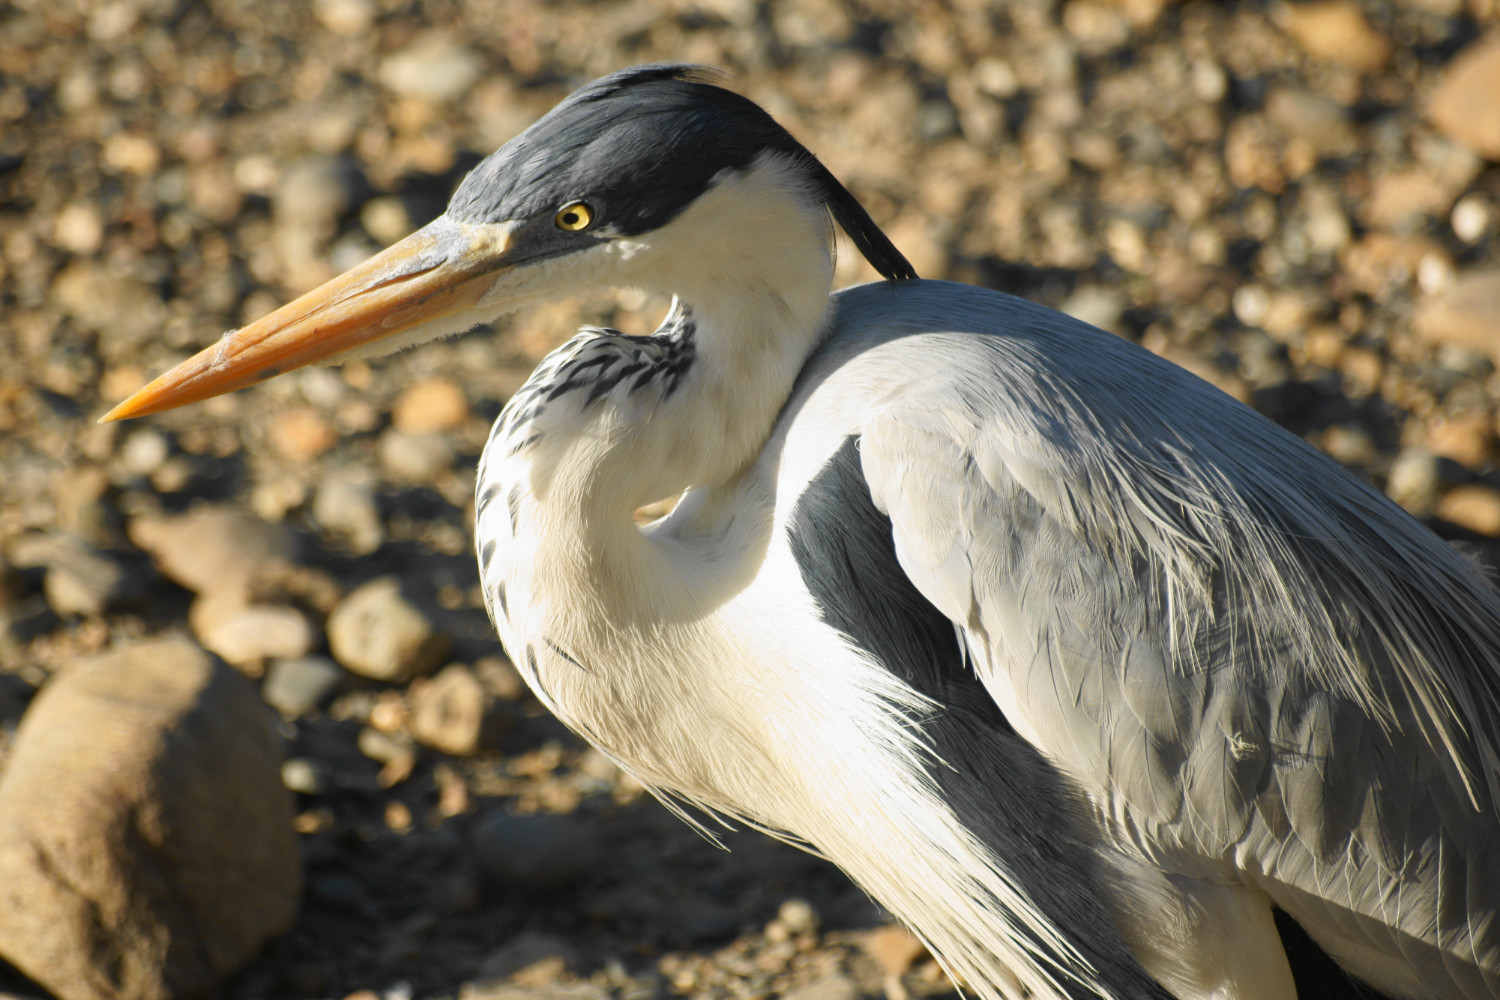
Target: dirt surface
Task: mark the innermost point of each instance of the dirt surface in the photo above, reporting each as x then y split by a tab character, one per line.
1299	202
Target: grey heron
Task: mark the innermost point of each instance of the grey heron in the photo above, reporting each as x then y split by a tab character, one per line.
1077	665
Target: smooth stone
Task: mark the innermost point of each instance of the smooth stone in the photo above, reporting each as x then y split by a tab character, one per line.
1335	31
1415	479
452	711
212	548
430	405
414	458
1465	314
375	632
128	871
303	776
344	506
144	451
80	580
316	191
1464	105
1472	506
249	633
434	67
297	685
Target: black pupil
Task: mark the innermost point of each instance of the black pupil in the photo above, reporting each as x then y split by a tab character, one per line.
570	219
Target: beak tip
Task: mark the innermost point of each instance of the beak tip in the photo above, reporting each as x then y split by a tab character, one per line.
130	406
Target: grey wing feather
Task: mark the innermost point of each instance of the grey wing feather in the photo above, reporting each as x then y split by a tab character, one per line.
1228	640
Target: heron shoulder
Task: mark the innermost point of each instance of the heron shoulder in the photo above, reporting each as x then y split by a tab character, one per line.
990	366
1240	649
999	436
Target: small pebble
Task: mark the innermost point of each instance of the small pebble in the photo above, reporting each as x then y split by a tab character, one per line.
78	228
144	451
385	219
255	632
995	77
375	632
1473	506
212	548
414	458
895	949
85	586
1251	304
452	711
345	507
429	405
1470	218
389	713
297	686
381	747
798	916
1101	307
1414	481
453	791
434	67
346	17
256	173
301	434
398	816
1434	274
131	153
1349	444
500	678
303	776
597	765
79	580
315	191
1463	104
1335	31
125	312
1209	81
1467	438
1464	314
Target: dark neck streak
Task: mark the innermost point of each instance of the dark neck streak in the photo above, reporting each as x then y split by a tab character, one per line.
594	364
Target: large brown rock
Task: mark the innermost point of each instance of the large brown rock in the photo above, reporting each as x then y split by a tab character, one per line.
146	845
1465	105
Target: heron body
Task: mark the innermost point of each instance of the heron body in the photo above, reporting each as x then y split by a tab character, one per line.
1079	666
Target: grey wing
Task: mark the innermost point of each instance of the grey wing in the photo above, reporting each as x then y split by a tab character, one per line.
1255	666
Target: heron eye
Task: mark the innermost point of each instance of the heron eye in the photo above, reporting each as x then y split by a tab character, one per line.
575	217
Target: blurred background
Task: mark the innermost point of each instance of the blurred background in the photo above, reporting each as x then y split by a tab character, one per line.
1300	202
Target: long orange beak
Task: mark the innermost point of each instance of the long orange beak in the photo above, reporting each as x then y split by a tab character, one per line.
442	270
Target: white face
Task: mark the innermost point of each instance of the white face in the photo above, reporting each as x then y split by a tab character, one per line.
722	238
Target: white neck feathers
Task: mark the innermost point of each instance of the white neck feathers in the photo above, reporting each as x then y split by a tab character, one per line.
595	434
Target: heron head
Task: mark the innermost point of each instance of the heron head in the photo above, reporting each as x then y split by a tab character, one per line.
564	207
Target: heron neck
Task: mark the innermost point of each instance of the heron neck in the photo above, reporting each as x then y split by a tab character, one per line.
750	261
594	435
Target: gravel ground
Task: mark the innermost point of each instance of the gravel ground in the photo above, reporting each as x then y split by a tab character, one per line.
1299	202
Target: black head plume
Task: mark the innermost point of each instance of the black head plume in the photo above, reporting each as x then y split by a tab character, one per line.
640	145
